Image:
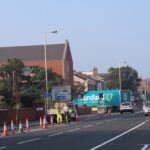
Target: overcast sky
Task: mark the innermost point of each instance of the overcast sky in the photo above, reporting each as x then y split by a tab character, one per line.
101	33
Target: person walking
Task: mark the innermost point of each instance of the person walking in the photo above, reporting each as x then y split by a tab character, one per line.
58	114
65	109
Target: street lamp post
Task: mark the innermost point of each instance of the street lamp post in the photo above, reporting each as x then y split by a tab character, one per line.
120	81
46	75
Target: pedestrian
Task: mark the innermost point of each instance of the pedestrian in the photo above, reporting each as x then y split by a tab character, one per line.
70	111
65	109
58	114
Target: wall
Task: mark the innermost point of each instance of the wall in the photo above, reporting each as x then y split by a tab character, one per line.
55	65
8	115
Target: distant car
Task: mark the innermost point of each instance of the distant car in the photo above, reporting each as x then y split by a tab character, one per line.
146	108
126	107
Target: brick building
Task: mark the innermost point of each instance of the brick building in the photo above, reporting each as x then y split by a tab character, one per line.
144	89
91	79
59	57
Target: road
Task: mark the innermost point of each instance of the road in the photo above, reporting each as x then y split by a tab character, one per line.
116	132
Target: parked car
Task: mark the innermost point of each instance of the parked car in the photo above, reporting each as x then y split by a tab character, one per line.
126	107
146	108
72	113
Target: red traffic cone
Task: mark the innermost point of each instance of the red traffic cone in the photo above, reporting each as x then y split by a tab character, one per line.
27	125
12	127
20	127
5	131
44	122
51	118
41	124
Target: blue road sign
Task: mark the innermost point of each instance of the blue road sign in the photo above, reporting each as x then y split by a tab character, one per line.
48	95
59	98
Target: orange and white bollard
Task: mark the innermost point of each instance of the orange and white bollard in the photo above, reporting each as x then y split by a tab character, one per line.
44	122
27	125
61	119
12	127
5	131
41	124
20	127
77	117
51	119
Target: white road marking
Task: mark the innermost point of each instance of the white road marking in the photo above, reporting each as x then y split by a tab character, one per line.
59	133
74	129
23	142
114	119
145	147
99	122
88	126
118	136
108	120
3	147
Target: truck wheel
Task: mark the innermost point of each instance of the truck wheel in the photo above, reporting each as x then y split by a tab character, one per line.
132	111
121	112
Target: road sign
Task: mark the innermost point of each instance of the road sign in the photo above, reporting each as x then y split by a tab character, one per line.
48	95
59	98
60	93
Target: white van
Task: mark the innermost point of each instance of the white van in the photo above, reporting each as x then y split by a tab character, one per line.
146	108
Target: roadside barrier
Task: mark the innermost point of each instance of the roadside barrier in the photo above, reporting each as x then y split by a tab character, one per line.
51	120
27	125
109	112
44	122
20	127
41	124
5	131
77	117
60	119
12	127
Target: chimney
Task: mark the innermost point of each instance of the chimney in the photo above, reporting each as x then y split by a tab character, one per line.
95	71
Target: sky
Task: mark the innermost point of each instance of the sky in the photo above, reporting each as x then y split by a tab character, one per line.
101	33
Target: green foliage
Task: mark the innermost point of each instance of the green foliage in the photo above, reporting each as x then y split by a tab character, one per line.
20	89
129	79
77	88
38	78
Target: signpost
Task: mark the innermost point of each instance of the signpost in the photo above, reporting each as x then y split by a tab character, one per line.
61	93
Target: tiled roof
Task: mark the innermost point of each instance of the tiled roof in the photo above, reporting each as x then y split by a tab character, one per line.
97	78
82	76
34	52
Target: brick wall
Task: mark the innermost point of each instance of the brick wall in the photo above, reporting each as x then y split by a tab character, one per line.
8	115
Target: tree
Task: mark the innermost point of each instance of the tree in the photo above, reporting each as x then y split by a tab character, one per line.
38	78
10	75
129	79
77	88
35	87
18	88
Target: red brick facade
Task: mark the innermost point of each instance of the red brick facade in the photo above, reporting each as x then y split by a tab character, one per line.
55	65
